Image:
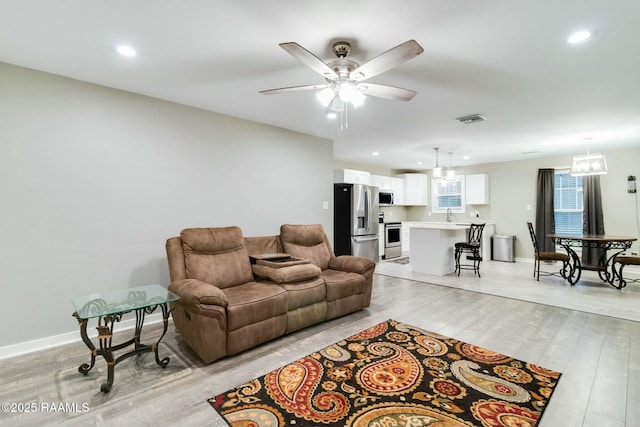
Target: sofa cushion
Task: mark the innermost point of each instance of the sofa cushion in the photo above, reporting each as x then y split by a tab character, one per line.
353	264
216	255
306	242
341	284
289	274
254	302
263	245
302	294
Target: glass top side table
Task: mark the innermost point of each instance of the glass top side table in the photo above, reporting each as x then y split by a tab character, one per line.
108	308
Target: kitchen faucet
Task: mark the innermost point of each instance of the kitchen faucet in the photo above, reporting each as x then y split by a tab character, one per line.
449	215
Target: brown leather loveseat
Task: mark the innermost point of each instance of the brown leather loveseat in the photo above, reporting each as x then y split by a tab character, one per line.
227	305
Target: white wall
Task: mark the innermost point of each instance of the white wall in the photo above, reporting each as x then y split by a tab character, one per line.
94	180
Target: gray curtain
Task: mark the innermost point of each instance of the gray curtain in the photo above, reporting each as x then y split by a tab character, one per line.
592	219
545	223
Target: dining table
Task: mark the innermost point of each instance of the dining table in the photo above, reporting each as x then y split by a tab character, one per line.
608	246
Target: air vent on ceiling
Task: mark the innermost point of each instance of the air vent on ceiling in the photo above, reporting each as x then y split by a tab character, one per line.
474	118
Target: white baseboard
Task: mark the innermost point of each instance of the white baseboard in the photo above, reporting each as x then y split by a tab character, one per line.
68	337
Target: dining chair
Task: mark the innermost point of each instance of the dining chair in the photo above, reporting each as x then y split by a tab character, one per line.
547	256
620	262
472	248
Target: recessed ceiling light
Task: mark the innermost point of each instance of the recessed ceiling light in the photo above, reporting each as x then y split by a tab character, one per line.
126	50
375	153
579	37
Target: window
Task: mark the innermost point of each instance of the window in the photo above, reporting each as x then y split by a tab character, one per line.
567	203
448	195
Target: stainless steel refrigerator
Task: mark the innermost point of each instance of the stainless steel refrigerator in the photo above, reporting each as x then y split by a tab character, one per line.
355	220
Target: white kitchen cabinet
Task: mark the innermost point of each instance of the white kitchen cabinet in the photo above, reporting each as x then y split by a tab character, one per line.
477	189
381	241
397	185
351	176
380	181
415	189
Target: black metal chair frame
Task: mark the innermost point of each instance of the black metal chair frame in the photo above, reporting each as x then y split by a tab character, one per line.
471	247
622	261
564	272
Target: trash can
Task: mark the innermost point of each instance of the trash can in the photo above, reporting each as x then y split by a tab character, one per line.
503	247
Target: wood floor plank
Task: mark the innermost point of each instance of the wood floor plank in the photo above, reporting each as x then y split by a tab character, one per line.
633	377
608	399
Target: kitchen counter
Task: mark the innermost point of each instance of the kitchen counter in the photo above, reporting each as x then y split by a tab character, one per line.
440	225
432	245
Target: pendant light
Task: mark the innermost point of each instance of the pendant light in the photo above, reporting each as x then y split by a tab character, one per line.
451	173
588	164
437	171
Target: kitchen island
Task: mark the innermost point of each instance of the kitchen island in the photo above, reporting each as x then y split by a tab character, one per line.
432	246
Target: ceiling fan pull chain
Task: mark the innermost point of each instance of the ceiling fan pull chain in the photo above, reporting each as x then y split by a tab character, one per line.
344	118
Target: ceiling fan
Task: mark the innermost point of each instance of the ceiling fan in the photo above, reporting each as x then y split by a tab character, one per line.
345	78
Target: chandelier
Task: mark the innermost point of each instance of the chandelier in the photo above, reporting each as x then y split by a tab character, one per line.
588	164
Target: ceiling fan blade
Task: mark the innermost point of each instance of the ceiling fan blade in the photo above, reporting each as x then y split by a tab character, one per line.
292	89
387	60
309	59
387	92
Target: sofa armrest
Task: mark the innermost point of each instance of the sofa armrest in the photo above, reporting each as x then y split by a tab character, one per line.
352	264
193	293
288	274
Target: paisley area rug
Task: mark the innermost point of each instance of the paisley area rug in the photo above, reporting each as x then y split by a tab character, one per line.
394	374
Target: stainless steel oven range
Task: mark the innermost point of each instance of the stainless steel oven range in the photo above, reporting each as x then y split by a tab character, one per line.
392	240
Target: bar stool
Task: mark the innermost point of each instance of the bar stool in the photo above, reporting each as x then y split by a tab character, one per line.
624	260
472	248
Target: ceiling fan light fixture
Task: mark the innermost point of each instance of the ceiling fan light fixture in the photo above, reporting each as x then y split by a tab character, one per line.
336	105
325	96
358	99
347	91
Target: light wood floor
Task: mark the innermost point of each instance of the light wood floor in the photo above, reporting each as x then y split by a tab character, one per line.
598	354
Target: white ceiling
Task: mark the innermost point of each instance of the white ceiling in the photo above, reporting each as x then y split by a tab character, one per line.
507	60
